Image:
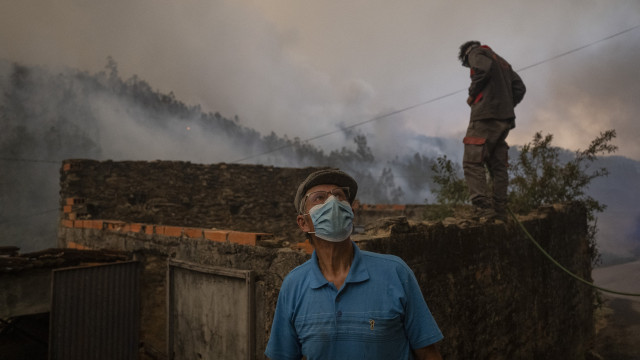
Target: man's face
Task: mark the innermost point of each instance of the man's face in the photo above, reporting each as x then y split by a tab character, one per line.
318	195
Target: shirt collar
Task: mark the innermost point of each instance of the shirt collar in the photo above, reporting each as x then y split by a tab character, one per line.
357	273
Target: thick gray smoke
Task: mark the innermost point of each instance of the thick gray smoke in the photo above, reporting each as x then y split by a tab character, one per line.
50	115
303	69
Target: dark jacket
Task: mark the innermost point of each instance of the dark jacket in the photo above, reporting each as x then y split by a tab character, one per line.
495	87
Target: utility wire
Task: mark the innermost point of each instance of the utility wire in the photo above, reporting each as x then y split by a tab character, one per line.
376	118
383	116
579	48
380	117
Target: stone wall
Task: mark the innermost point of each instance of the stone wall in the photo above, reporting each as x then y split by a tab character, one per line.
494	294
225	196
491	291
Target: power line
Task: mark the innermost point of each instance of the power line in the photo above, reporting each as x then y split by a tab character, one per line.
383	116
380	117
579	48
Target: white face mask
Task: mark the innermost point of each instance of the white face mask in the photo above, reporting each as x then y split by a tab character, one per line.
333	220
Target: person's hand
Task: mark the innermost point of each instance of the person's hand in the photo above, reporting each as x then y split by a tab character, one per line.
469	100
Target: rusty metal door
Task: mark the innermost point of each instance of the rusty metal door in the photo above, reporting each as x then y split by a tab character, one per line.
95	312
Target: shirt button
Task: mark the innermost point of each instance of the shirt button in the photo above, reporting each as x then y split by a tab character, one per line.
339	313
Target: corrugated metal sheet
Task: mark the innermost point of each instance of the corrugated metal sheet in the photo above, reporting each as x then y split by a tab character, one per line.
95	312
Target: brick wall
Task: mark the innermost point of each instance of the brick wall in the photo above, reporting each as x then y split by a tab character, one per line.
225	196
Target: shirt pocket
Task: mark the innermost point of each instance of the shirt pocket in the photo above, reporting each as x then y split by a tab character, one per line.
380	335
353	335
376	326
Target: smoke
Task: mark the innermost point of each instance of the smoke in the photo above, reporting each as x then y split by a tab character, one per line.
306	69
582	99
54	114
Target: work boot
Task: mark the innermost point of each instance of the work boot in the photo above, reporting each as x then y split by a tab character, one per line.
501	212
503	217
483	210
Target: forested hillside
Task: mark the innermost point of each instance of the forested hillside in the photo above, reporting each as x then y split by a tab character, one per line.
49	115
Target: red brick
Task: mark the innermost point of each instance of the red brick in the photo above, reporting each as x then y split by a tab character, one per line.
216	235
175	231
95	224
149	229
73	201
67	209
193	232
135	227
87	224
67	223
243	238
66	167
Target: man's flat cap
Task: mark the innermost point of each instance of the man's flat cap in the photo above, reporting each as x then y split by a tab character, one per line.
326	177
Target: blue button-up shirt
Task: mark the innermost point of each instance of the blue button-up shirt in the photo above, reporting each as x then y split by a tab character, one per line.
379	313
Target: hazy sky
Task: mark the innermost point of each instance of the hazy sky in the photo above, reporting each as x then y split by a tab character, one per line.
301	68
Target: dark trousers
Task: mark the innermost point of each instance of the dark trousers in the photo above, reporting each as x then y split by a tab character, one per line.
484	144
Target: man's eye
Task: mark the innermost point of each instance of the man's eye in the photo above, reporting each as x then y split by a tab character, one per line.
340	194
318	198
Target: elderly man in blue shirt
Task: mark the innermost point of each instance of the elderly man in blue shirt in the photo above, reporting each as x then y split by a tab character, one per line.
345	303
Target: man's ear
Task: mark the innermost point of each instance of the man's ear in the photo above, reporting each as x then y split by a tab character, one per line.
304	223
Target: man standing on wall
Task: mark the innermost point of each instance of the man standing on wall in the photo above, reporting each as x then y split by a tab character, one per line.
494	92
345	303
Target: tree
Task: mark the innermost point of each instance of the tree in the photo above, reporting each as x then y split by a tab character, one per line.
452	189
539	176
363	151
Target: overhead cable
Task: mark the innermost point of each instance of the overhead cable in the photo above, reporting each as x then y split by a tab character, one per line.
380	117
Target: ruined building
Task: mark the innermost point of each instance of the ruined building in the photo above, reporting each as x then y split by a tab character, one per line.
202	251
